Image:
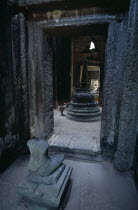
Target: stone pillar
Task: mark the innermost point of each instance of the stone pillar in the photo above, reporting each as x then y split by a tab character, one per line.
124	157
20	78
41	81
13	79
113	83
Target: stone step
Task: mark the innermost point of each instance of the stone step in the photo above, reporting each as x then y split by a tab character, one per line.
84	110
79	154
84	114
79	147
83	117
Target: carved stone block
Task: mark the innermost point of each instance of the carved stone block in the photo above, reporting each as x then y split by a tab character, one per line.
47	179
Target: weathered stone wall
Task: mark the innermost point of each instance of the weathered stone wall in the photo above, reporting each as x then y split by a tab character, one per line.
113	84
14	115
136	161
124	158
20	79
10	118
41	82
120	111
2	74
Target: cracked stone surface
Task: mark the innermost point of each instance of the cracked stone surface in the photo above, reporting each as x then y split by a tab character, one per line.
95	185
75	135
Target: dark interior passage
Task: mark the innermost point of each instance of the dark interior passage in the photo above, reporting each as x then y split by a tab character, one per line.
69	53
61	70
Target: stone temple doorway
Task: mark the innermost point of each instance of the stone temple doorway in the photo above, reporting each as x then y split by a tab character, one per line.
40	72
27	93
70	47
56	54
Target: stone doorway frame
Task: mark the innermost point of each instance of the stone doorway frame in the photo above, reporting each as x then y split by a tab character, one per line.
38	28
116	135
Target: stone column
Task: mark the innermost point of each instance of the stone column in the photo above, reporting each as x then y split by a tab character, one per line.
7	131
20	78
113	84
124	157
41	81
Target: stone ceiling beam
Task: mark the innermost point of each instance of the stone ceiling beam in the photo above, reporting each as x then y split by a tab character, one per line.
78	21
115	6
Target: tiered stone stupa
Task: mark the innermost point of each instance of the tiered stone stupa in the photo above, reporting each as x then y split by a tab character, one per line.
83	107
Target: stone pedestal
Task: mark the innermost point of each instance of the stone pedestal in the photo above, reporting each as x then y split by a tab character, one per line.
47	179
83	107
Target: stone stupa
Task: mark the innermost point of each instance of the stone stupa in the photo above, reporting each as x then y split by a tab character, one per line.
83	107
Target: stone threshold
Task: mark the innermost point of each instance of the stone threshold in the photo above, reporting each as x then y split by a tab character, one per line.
76	147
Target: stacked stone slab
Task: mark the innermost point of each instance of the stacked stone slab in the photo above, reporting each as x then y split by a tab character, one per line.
46	181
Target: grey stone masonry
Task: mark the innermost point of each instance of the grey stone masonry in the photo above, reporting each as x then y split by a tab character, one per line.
20	78
124	157
41	82
113	83
46	180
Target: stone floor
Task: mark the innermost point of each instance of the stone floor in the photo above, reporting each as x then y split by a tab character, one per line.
77	136
95	186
